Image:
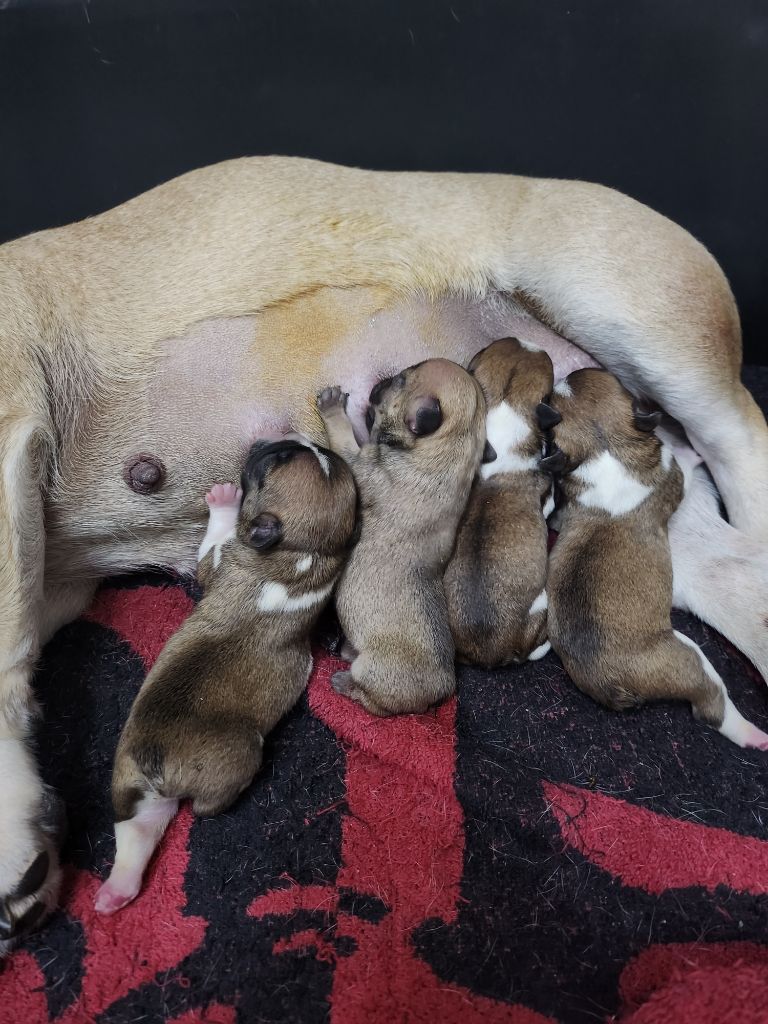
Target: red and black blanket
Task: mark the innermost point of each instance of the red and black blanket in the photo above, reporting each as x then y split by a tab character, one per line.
518	856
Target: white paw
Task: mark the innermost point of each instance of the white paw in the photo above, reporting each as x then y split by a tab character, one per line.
224	496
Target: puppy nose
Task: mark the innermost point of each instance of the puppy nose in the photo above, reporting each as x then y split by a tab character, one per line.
378	390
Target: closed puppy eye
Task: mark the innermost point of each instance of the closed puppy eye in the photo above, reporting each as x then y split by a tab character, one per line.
265	532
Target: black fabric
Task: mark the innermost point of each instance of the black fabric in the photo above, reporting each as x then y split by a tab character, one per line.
665	101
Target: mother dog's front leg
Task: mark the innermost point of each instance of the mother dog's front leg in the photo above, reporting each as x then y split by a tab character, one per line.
30	814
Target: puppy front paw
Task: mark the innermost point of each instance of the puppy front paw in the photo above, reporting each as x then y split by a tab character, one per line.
224	496
332	400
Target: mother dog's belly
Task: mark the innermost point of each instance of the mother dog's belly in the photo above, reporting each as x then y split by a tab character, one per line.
211	392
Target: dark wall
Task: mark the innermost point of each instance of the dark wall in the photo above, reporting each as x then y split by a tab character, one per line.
665	100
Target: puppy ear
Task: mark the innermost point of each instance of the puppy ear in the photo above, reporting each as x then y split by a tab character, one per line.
554	462
646	418
475	360
266	531
547	416
424	416
489	453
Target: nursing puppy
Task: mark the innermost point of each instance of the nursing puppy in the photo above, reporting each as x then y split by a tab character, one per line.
427	430
145	348
610	573
242	659
494	584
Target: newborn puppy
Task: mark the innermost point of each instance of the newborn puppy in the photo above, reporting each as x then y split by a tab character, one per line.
242	658
427	430
610	572
494	584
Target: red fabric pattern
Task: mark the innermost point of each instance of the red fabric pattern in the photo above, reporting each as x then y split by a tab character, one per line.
654	852
402	842
145	617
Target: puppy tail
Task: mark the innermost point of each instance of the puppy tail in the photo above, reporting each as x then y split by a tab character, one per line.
711	704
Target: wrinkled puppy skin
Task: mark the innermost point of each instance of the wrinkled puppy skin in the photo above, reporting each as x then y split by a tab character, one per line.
610	572
495	582
427	433
268	564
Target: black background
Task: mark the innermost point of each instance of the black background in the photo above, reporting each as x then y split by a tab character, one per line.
665	100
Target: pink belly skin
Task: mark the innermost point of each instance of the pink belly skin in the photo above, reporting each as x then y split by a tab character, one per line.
221	386
453	328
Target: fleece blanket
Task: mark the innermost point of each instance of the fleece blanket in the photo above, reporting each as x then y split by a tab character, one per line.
517	856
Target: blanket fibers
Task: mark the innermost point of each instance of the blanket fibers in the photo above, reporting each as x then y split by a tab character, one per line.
519	856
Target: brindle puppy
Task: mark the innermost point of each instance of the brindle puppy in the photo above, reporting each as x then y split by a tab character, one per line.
610	573
427	430
495	581
241	660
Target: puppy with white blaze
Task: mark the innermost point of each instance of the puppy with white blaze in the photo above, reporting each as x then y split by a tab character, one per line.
495	581
427	431
610	572
268	563
143	352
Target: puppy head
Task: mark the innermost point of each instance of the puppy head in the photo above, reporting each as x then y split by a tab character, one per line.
423	405
597	413
297	497
509	372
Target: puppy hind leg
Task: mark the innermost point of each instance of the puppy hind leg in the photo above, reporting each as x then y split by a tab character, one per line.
348	684
136	839
712	705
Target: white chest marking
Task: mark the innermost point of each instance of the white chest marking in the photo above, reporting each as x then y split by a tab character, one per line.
506	431
274	598
540	604
609	485
303	564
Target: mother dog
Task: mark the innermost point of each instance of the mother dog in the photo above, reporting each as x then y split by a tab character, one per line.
144	349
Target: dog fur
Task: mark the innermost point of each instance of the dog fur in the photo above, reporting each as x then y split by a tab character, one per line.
494	583
241	659
246	287
610	572
427	434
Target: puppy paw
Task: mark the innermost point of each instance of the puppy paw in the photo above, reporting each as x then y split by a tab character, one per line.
343	683
755	738
224	496
332	400
112	897
27	901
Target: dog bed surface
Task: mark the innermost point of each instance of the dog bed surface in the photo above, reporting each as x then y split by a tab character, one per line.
519	856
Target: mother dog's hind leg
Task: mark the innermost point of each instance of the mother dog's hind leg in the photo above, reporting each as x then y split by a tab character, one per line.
30	814
720	574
